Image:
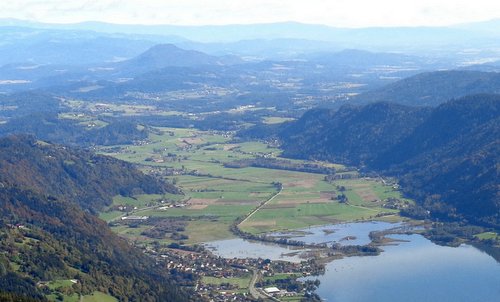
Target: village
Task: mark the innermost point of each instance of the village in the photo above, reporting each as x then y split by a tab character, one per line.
268	280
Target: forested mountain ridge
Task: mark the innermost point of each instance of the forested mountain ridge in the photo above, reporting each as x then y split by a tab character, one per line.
433	88
351	135
78	176
60	241
24	103
449	122
447	157
49	127
46	235
452	159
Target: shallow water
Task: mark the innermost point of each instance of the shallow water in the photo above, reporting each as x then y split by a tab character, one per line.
241	248
358	233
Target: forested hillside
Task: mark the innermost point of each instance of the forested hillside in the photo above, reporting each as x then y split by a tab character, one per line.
352	135
24	103
78	176
47	236
49	127
447	157
452	159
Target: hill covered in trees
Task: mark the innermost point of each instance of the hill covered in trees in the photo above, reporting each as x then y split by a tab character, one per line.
433	88
168	55
78	176
47	232
351	135
24	103
447	157
49	127
450	161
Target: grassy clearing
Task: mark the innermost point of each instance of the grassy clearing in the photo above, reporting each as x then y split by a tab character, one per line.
64	298
202	231
99	297
109	216
58	285
487	235
281	277
132	233
224	213
277	120
241	282
292	299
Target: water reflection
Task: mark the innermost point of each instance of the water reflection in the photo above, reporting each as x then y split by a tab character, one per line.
241	248
417	270
414	269
345	234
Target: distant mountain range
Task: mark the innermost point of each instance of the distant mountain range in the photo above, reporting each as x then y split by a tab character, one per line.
433	88
61	47
167	68
31	75
291	30
95	41
445	157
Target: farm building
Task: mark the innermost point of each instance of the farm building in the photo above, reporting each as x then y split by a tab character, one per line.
272	290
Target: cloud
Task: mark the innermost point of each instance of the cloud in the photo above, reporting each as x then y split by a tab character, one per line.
350	13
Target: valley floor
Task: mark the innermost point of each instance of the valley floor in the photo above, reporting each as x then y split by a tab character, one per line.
257	200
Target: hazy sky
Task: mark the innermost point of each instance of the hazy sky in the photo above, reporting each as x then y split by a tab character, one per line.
348	13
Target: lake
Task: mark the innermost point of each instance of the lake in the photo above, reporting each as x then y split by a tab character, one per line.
413	269
417	270
241	248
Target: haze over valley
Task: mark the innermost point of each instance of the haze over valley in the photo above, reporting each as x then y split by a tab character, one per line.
271	159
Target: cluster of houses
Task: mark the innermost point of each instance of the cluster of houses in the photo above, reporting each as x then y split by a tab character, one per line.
17	226
202	263
177	205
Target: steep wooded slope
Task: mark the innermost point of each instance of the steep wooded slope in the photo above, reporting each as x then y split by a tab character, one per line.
447	157
45	234
78	176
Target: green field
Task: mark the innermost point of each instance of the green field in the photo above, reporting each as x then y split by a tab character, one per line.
215	196
111	215
99	297
487	235
277	120
241	282
57	287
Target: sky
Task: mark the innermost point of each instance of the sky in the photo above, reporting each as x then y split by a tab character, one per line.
338	13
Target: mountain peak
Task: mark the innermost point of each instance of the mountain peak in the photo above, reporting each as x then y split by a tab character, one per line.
167	55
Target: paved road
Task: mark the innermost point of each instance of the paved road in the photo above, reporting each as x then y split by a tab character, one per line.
251	287
261	205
